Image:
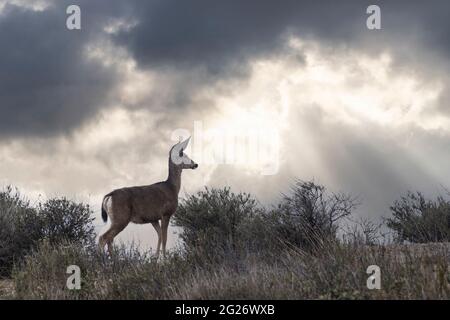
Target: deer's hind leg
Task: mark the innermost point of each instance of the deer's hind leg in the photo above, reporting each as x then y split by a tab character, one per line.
120	215
108	237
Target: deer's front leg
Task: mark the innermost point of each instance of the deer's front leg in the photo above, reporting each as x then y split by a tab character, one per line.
158	231
164	227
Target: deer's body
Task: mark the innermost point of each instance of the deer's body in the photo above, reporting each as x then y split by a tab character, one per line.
146	204
143	204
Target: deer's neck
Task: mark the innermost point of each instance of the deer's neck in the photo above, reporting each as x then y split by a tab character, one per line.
174	179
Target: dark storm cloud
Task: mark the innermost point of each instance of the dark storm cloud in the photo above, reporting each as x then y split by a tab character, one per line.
47	86
221	37
428	20
215	34
220	34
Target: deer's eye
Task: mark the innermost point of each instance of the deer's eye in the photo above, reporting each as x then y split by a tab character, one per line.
181	153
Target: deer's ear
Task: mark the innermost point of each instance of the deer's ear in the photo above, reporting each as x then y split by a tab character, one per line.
184	144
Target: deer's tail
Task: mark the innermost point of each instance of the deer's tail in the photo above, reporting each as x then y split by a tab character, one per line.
104	213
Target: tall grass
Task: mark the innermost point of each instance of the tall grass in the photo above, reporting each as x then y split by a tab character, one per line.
336	271
127	274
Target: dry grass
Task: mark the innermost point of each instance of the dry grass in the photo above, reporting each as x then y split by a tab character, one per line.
339	272
6	289
334	271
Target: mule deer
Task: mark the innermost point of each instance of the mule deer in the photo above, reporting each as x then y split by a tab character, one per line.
147	204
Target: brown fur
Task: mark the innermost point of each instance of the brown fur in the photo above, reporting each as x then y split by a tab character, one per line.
145	204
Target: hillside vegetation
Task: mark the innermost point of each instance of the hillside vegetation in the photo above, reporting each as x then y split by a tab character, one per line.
306	247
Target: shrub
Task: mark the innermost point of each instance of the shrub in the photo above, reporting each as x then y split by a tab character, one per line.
309	215
20	228
416	219
63	219
217	222
24	226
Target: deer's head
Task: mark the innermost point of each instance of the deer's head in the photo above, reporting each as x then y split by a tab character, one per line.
179	158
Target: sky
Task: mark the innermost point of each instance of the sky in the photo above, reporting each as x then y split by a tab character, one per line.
270	91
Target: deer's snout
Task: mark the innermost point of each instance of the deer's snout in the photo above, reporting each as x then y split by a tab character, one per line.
195	166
